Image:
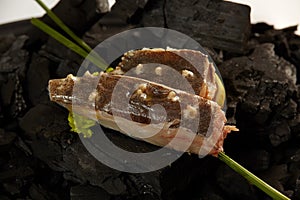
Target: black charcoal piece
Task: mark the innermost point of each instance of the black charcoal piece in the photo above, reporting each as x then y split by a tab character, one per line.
217	24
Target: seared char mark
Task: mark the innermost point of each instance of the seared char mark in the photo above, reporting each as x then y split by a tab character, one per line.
61	90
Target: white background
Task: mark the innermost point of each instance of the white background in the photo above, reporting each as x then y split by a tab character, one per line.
281	13
14	10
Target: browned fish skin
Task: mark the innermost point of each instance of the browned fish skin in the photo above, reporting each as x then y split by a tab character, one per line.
193	65
138	107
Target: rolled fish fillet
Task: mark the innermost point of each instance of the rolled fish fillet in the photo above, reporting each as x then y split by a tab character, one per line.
145	110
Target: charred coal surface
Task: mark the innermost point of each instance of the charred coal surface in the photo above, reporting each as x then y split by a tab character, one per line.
41	159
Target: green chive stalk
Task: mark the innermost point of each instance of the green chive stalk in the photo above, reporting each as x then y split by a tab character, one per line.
64	27
269	190
92	55
66	42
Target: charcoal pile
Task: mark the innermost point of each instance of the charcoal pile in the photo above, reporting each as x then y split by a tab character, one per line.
40	158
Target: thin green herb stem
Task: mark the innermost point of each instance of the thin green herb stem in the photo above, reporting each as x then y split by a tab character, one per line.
66	42
275	194
80	42
64	27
